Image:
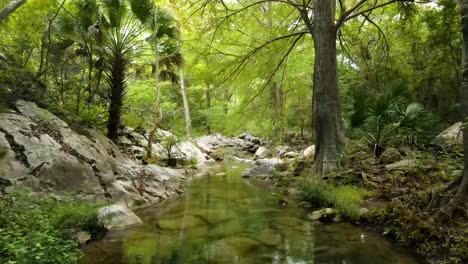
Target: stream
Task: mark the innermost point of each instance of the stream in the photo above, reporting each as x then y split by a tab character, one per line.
225	219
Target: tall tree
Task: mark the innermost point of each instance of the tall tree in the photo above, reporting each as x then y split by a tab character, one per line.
322	20
10	8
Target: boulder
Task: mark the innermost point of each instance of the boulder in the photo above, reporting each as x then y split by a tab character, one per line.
278	164
452	135
403	165
124	141
41	152
260	171
265	168
262	153
115	215
309	153
390	155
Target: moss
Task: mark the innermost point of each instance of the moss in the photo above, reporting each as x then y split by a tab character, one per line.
345	198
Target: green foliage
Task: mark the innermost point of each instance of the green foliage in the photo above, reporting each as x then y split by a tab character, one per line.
415	227
380	117
345	198
43	230
169	144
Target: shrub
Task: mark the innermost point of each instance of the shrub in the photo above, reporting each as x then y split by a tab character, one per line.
43	230
344	198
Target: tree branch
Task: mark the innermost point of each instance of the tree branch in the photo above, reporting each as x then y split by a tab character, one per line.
10	8
350	16
346	13
278	66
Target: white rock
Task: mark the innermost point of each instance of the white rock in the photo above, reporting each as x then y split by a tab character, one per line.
124	141
114	216
309	152
452	135
290	154
262	153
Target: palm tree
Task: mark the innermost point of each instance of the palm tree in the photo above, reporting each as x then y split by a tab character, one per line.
122	25
111	29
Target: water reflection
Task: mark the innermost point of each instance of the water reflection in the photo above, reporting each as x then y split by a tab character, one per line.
221	219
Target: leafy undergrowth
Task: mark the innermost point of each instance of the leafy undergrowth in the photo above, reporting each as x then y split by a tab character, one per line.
345	198
400	197
43	230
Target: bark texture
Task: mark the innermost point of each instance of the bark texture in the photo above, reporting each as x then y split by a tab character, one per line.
326	100
117	85
10	8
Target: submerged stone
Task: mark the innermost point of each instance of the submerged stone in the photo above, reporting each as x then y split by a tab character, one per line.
184	222
287	221
211	216
229	249
268	237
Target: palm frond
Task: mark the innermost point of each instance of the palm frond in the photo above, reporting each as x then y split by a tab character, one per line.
168	75
414	112
116	11
88	10
142	9
174	59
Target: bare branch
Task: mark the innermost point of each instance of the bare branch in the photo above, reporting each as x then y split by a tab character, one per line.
345	14
278	66
371	8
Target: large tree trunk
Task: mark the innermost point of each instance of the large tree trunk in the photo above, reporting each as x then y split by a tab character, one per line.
10	8
117	85
455	196
188	121
326	100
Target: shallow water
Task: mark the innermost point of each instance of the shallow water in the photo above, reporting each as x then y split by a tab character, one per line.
223	219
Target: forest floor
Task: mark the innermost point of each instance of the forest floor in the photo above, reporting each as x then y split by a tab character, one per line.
399	194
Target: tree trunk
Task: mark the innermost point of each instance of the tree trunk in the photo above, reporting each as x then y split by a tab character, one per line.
455	196
117	83
188	121
10	8
208	107
157	121
326	100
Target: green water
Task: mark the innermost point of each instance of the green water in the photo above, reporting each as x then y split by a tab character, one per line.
223	219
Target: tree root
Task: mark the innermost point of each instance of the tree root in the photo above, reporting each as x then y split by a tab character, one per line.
445	201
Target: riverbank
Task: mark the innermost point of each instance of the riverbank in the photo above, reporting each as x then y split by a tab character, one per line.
395	191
